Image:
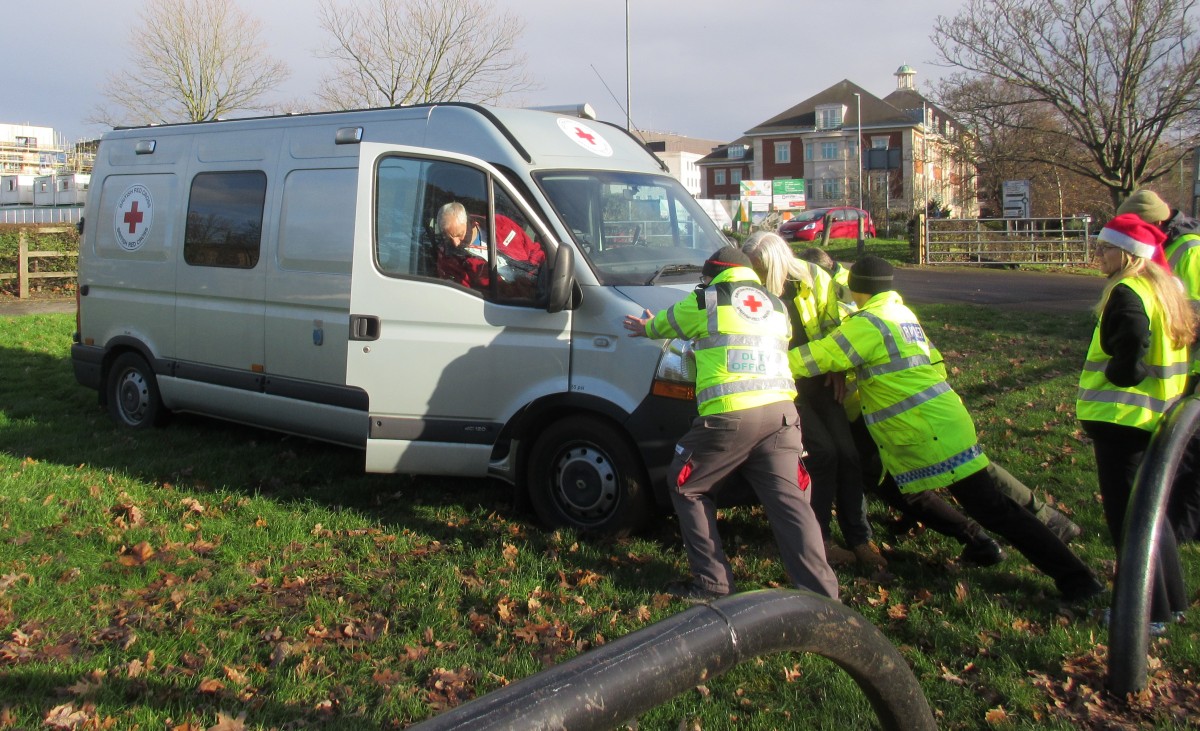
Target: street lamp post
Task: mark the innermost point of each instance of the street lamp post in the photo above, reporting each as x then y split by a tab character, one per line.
858	146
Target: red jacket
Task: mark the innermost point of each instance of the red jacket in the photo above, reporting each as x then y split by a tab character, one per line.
518	255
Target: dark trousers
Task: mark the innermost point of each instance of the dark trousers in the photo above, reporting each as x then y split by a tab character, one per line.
832	461
1119	451
762	445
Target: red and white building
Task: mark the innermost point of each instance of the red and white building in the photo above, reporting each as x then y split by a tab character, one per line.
909	152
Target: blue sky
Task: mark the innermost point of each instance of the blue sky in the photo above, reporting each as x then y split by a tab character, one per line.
702	68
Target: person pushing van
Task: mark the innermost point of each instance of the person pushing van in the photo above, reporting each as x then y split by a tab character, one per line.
747	425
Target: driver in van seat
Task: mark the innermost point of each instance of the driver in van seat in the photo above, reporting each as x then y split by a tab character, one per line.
462	255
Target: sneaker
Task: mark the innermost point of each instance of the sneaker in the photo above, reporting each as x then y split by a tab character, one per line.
1061	526
692	593
982	552
869	557
835	555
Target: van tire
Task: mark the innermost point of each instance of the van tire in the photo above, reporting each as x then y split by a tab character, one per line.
585	474
132	393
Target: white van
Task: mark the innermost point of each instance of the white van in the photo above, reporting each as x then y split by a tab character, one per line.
289	273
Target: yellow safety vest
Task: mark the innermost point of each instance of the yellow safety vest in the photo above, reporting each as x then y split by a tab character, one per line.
740	334
925	436
1143	405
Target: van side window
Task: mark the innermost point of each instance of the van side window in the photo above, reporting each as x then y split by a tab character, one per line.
224	219
497	256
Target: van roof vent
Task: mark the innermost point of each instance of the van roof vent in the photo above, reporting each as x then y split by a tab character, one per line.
584	110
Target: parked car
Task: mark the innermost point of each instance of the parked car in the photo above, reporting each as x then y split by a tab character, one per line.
807	225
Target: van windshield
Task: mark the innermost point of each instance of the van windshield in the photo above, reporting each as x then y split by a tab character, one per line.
632	228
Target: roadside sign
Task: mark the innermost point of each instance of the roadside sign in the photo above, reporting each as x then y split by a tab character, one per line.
1016	198
788	193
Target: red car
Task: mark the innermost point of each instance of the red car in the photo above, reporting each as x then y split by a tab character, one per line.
843	220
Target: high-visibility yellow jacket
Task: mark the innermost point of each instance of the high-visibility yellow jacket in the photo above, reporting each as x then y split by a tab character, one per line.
1143	405
740	334
817	305
1184	256
925	436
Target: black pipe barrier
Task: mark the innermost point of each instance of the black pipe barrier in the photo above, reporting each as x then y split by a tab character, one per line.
616	682
1145	519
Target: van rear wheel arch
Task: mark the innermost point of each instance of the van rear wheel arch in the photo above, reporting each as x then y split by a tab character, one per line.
584	472
131	392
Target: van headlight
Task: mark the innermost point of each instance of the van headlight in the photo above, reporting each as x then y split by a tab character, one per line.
675	376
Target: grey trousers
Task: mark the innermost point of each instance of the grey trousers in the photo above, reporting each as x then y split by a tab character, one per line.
763	446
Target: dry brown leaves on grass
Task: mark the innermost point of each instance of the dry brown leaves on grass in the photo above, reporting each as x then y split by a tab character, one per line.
1080	697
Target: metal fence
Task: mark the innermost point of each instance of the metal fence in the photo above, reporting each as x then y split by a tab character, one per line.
1006	241
40	214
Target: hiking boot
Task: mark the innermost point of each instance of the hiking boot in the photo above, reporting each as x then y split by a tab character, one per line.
692	593
1061	526
982	552
869	557
835	555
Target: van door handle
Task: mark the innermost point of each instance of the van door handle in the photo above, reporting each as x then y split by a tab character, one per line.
364	327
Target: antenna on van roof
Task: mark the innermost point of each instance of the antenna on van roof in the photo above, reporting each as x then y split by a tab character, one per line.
583	110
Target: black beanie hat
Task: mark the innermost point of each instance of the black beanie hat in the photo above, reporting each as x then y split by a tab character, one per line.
724	258
870	275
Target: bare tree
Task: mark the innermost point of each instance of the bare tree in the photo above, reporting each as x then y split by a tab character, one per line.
193	60
1118	73
389	52
1016	138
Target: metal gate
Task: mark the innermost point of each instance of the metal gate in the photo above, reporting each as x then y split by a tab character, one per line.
1005	241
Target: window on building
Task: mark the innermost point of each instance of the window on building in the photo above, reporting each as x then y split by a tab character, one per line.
718	177
829	117
879	143
829	151
735	177
808	151
831	189
783	152
224	219
736	152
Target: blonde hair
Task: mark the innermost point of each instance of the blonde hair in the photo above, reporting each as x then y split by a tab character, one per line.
1177	311
774	261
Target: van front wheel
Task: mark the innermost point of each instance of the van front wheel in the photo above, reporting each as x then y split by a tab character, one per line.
585	474
133	399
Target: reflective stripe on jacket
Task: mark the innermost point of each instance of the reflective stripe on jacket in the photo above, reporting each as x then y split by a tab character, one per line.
925	436
740	334
1143	405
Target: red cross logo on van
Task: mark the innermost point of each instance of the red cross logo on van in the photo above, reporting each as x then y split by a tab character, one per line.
586	137
133	217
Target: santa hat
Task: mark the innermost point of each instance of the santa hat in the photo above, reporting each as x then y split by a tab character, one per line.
1137	237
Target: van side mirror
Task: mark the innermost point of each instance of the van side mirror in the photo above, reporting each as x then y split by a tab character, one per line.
562	275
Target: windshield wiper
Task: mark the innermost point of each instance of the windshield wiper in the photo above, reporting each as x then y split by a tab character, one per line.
672	269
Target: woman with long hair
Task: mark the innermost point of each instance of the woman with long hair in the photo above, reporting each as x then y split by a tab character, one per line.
1136	368
810	296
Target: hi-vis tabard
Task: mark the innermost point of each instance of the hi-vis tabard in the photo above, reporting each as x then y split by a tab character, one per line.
740	334
926	437
1143	405
1183	254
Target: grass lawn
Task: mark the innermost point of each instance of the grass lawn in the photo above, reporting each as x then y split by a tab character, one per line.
211	576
